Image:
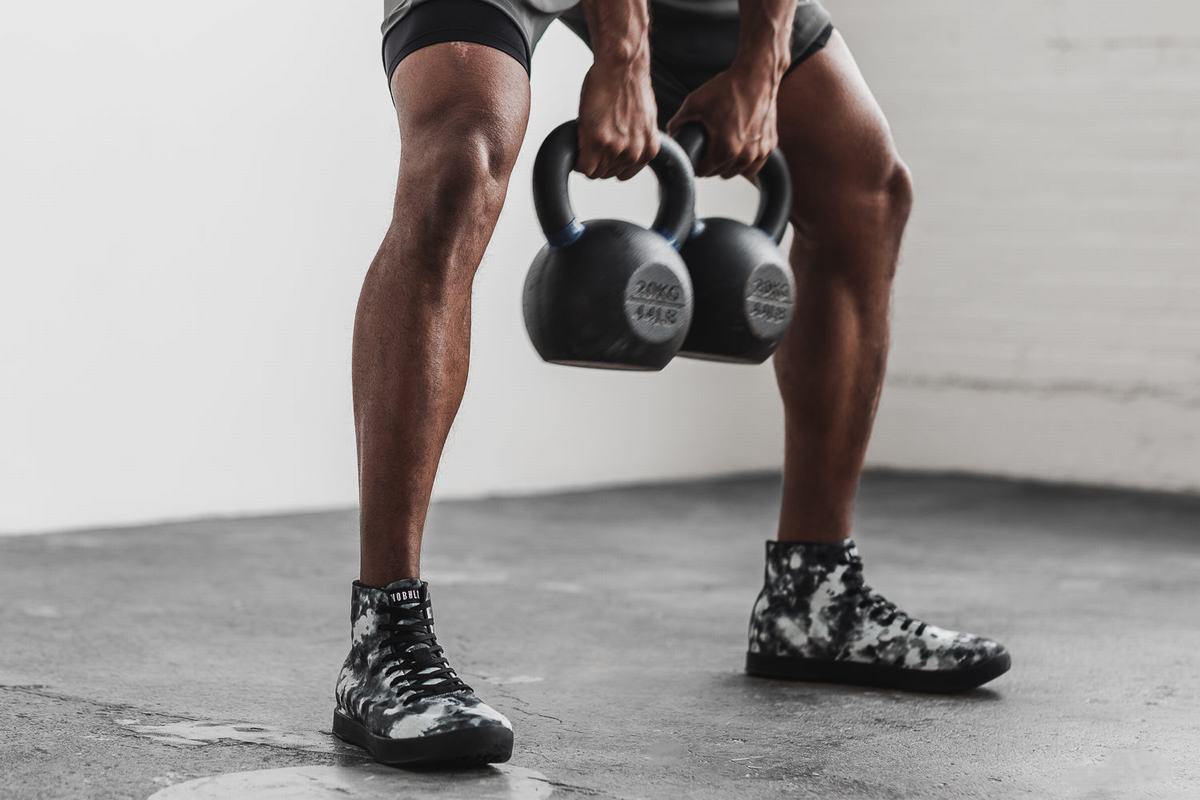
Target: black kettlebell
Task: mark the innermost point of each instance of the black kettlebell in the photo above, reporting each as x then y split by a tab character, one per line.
608	293
745	290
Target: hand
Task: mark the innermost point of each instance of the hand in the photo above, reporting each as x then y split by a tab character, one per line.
618	130
737	109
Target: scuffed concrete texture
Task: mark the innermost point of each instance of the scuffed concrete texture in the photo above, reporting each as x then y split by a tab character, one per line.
500	782
56	745
610	627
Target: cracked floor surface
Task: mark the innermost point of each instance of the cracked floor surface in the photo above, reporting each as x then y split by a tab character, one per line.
197	659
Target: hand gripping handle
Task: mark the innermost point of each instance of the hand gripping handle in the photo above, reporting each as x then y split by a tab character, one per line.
773	180
556	159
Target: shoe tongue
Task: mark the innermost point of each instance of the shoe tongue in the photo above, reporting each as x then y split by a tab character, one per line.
407	592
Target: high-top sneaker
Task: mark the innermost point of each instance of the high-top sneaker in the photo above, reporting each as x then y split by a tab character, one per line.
398	697
817	620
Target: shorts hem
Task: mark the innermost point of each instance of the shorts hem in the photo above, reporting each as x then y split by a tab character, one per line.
426	24
815	47
454	35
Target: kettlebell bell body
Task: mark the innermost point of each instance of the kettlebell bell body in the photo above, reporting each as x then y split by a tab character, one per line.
608	293
744	287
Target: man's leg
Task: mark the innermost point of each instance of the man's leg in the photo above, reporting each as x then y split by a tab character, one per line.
816	618
852	196
462	109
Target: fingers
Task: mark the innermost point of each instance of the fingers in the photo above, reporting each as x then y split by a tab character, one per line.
723	156
758	165
727	158
743	157
726	154
640	156
757	155
747	162
682	117
604	154
730	159
712	155
591	156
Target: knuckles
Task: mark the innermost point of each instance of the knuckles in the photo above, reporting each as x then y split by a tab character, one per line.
606	156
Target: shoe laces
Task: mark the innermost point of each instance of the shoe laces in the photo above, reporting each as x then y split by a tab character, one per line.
416	657
878	607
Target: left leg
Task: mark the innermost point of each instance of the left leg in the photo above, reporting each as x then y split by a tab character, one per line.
851	198
816	618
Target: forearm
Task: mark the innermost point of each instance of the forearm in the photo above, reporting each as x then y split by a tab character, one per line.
737	106
765	38
618	133
619	32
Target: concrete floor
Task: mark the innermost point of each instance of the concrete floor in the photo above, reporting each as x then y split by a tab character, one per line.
197	659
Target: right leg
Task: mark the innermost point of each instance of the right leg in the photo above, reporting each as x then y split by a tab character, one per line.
462	109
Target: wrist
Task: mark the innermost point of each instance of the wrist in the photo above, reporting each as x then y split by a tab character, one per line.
764	51
621	33
631	56
758	74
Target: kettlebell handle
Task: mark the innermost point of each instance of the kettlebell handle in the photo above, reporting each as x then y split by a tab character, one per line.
555	161
773	180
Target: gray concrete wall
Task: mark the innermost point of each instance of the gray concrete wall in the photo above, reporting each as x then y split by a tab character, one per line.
1048	318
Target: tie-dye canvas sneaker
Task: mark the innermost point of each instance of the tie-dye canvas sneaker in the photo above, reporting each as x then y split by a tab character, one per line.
817	620
398	697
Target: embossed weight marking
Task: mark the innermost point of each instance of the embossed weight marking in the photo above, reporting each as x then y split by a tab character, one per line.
655	303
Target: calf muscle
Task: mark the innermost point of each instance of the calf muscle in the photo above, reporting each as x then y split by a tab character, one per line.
462	110
852	197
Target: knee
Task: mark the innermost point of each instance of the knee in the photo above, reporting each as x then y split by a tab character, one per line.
874	190
896	192
453	180
457	180
856	217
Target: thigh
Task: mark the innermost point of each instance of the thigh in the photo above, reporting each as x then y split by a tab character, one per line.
462	109
461	95
831	129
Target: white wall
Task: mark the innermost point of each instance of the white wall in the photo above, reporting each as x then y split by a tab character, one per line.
1048	315
190	199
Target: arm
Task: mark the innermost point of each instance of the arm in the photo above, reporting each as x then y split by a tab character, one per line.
618	132
737	107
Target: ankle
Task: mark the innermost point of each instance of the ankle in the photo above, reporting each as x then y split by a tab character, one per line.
821	524
381	580
835	537
380	573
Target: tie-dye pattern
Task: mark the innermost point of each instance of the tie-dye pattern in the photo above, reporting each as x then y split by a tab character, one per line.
366	696
815	605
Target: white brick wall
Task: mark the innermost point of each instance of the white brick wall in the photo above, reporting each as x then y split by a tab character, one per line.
1048	305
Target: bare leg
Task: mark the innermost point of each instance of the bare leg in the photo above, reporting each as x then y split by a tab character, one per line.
816	617
462	110
852	199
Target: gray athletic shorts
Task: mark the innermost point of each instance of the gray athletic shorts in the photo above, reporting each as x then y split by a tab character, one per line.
690	40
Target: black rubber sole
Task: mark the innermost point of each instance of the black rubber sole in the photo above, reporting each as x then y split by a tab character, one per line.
468	747
909	680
